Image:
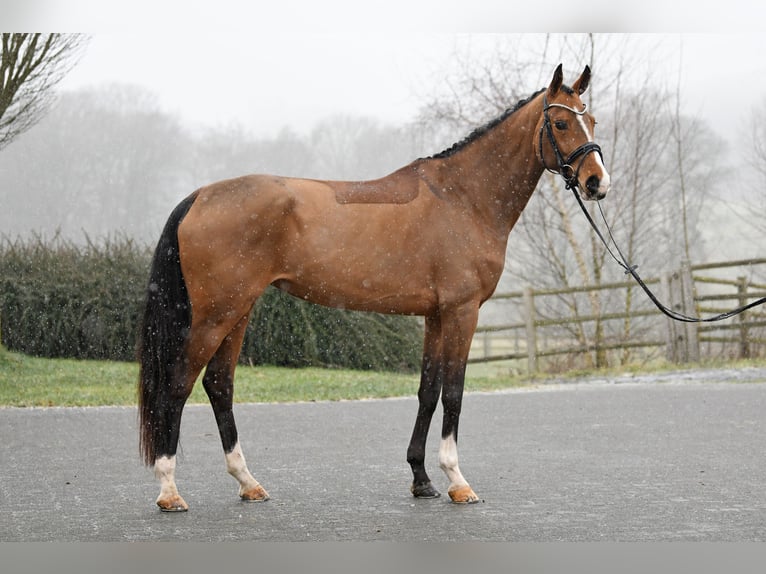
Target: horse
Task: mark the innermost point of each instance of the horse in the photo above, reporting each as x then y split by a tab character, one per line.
428	240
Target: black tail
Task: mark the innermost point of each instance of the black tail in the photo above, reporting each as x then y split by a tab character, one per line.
166	324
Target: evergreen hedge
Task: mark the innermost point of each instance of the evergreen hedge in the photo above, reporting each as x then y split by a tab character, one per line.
59	299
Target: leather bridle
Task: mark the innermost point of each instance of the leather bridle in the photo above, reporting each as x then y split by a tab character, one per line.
565	165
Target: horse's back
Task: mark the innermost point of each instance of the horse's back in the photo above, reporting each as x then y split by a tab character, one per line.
399	187
271	206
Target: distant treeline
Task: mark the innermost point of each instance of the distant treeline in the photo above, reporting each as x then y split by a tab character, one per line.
61	299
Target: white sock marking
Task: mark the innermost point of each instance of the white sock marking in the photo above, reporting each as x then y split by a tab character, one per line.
449	463
165	471
237	467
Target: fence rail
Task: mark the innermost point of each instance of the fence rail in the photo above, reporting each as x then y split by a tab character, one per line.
552	322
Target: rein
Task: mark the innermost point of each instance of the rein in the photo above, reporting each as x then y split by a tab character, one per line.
631	270
569	175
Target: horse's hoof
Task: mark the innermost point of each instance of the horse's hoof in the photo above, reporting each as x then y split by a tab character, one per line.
426	490
463	495
255	494
173	504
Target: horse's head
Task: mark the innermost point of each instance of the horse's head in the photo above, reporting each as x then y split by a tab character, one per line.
564	142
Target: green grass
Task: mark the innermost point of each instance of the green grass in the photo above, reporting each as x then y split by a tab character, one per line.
29	381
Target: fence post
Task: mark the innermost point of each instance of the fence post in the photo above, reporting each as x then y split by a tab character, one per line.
486	344
683	345
675	350
744	345
690	309
530	315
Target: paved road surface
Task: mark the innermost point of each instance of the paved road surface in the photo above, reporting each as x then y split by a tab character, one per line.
604	460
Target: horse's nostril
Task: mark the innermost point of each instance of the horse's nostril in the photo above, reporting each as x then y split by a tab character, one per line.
593	184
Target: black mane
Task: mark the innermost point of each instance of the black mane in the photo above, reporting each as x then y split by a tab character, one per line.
480	131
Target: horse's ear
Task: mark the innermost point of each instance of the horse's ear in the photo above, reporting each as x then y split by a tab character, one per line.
558	78
582	82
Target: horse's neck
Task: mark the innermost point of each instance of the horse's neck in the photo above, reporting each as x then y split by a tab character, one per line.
499	171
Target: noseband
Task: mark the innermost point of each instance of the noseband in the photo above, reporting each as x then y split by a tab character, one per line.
565	167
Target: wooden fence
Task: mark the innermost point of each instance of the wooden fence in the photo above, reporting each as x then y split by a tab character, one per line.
622	324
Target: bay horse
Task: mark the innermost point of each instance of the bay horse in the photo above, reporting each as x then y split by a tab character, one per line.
428	239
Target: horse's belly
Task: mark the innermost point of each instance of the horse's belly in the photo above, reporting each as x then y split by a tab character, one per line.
360	294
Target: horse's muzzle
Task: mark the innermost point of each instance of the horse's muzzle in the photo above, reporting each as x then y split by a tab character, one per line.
595	188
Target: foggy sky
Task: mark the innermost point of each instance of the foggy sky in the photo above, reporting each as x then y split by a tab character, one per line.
271	80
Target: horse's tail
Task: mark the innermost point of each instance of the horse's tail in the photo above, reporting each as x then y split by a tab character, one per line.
166	324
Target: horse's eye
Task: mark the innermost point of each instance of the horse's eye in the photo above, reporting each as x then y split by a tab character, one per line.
560	125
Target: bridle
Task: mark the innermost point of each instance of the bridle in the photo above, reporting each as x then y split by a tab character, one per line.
565	169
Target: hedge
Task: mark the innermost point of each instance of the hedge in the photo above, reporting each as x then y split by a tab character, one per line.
60	299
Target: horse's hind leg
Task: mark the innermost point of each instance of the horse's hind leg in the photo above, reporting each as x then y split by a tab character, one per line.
169	500
219	386
205	340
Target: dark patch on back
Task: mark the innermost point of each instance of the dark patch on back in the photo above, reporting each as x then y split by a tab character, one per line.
398	188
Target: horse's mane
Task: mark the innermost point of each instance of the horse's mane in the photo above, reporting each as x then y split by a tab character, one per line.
480	131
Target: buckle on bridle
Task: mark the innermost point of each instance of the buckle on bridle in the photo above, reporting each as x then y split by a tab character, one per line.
567	172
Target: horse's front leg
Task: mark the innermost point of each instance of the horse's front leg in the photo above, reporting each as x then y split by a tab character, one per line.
447	342
428	398
459	328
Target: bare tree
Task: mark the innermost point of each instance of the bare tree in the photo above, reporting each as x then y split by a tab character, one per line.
30	66
106	160
354	147
755	156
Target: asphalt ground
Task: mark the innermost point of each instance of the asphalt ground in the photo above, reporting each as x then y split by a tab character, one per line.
665	458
